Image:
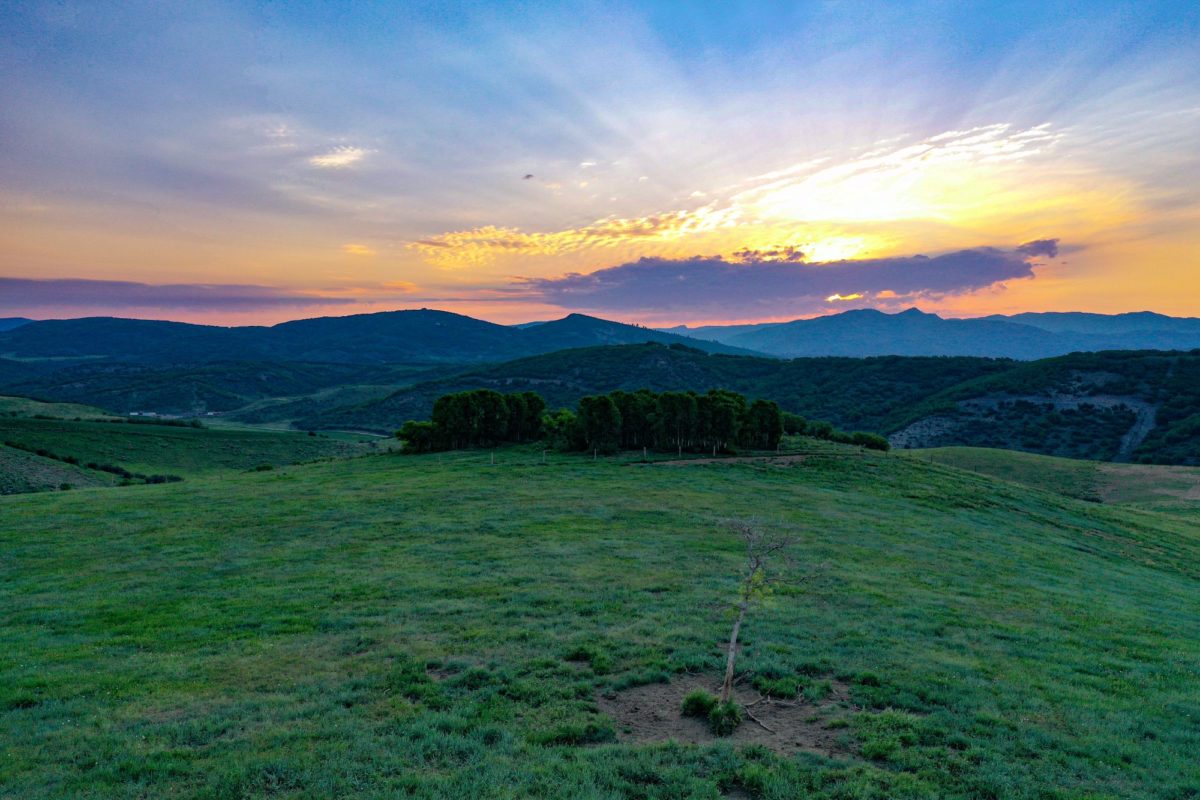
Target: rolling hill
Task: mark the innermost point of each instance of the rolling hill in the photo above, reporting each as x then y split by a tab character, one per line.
1127	406
1170	489
419	336
197	389
444	627
88	446
22	472
851	393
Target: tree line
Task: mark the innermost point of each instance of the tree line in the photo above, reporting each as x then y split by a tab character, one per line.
718	421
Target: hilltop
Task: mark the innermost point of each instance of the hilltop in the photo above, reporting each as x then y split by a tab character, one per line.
458	628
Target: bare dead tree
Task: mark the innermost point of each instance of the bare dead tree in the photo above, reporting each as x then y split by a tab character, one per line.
768	564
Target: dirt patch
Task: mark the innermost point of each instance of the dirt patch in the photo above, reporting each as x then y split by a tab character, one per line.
651	714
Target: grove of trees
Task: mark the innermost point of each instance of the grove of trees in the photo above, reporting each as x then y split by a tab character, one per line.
478	418
716	421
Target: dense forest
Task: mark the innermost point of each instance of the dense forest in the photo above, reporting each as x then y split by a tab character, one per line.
852	393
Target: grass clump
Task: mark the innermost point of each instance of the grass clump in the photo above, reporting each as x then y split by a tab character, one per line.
698	703
724	718
573	734
884	735
784	686
817	691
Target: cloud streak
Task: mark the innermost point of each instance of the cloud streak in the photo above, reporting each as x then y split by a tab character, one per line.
743	289
18	294
338	157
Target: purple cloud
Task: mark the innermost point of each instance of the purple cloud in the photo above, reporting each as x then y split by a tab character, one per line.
749	288
1040	247
17	294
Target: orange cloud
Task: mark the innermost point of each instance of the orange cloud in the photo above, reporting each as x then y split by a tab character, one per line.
935	194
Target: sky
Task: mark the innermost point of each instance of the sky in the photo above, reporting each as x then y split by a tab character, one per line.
658	163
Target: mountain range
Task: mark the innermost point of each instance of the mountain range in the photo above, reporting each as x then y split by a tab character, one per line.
426	336
417	336
1027	336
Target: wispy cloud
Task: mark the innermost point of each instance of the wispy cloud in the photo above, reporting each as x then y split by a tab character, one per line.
19	295
799	208
357	250
338	157
482	245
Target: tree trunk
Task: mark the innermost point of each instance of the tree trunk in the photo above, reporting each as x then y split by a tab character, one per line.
727	686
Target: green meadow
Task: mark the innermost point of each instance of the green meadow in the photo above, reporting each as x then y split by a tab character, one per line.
442	627
25	407
1172	489
175	449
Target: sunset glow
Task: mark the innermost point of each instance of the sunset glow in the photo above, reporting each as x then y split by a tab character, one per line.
488	165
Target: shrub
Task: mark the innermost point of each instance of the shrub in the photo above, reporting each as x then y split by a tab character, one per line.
264	468
698	703
724	718
871	441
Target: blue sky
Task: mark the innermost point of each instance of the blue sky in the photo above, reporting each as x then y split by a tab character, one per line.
369	156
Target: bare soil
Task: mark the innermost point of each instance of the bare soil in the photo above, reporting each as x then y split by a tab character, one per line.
651	714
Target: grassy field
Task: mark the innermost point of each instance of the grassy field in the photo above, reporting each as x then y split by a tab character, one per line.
26	407
26	472
1160	488
441	627
175	450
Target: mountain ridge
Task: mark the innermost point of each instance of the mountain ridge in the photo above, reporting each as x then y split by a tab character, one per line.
406	336
1026	336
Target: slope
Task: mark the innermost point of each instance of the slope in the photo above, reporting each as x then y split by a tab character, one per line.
438	627
1129	406
851	393
8	323
21	472
1173	490
216	386
167	449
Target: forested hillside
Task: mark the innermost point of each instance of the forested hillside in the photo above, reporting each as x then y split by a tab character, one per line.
190	389
423	335
849	392
1123	405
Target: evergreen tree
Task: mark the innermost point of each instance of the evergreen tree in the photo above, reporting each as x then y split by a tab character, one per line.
601	420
